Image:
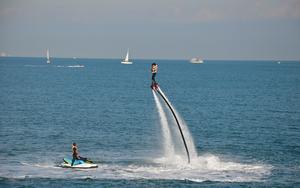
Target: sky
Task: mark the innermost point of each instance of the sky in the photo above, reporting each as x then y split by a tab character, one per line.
152	29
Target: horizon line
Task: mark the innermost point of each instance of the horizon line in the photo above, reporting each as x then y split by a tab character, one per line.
176	59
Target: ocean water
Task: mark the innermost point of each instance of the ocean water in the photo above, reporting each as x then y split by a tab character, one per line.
243	118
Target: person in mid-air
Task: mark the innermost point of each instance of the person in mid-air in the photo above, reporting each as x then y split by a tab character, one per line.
76	154
154	68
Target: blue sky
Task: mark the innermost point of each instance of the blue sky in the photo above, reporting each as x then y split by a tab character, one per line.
156	29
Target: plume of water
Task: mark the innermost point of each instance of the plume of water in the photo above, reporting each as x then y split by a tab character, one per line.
168	145
189	140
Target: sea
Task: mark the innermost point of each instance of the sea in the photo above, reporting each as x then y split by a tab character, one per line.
240	119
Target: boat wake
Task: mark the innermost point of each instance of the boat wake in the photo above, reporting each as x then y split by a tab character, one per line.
55	66
70	66
205	168
75	66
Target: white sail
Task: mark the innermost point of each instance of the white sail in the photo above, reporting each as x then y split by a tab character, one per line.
48	56
126	60
127	56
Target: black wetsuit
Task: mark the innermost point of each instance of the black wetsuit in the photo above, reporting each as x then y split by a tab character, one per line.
153	77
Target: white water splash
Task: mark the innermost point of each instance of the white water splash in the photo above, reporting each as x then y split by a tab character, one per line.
205	168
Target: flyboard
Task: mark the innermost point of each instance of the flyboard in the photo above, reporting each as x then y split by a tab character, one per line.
156	88
78	164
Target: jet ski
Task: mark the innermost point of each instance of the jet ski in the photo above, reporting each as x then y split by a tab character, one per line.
78	164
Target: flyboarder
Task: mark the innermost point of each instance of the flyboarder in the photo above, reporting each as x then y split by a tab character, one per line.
154	68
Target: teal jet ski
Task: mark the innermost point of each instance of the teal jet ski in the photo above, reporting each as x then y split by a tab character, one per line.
78	163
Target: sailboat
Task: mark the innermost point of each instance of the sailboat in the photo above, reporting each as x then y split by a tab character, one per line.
48	56
126	60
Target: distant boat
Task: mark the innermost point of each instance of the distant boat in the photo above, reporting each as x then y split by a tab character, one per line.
278	62
48	56
196	60
126	60
76	66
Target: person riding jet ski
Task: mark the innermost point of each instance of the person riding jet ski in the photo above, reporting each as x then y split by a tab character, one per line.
77	161
76	154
